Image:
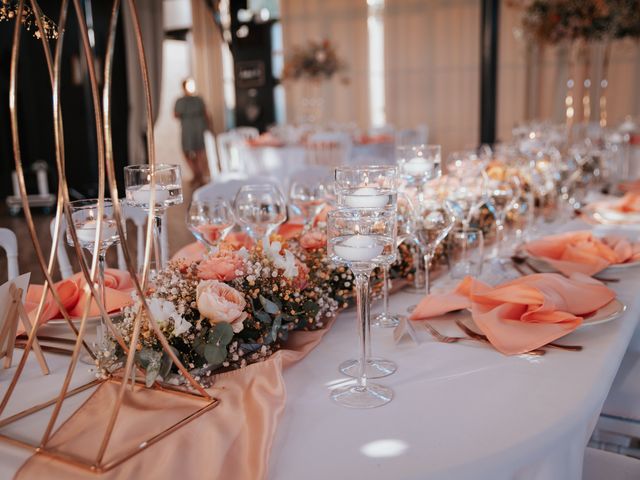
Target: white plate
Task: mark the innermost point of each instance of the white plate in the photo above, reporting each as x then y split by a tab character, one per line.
76	320
611	216
610	311
541	264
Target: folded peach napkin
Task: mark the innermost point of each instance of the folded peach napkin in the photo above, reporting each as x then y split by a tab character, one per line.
523	314
118	287
193	252
630	186
583	252
630	203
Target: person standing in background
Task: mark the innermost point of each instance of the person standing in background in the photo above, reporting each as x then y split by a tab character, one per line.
192	113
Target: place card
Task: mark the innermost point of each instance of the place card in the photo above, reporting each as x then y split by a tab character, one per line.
404	331
12	297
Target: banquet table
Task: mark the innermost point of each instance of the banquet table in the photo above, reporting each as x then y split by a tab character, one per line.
460	411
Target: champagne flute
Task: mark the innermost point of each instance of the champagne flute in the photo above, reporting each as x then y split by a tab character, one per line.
362	238
210	221
404	216
503	193
164	182
260	209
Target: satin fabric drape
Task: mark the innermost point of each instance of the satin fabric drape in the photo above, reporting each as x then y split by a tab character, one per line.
232	441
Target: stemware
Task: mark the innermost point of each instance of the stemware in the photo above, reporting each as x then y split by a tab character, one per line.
465	196
309	196
432	223
466	252
162	182
260	209
362	238
210	221
85	215
376	187
503	193
386	319
418	165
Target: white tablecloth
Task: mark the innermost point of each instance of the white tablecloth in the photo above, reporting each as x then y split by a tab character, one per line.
460	411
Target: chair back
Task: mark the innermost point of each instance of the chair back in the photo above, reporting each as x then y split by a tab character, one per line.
231	148
9	243
245	133
328	148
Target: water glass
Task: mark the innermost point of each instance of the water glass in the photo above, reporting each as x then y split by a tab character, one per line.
210	221
466	252
260	208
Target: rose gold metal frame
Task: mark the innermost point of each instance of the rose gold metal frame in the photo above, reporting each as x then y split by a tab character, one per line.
106	178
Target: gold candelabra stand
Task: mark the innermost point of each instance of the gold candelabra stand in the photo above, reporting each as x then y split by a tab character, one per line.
101	104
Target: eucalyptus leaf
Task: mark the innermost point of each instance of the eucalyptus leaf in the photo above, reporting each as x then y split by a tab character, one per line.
220	335
215	354
250	347
263	317
269	306
147	356
152	373
277	322
166	363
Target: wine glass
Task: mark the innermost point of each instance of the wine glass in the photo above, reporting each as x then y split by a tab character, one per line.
85	215
367	186
210	221
309	196
362	238
432	223
260	208
163	182
404	217
502	192
465	196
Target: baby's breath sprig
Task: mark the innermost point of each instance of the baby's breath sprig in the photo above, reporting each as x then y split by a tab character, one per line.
9	11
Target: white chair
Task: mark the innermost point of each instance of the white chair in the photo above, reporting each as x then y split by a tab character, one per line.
231	147
212	153
245	133
413	136
603	465
9	243
328	148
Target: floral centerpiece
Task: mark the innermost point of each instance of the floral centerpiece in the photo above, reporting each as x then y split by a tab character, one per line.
315	61
235	307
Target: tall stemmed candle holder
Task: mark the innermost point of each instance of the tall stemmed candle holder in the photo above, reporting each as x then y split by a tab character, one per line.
371	187
418	165
85	215
362	238
160	184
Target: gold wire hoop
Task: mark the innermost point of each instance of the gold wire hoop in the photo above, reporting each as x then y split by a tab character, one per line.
106	177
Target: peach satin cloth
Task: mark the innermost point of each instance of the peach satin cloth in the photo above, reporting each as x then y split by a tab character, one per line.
231	442
524	314
118	287
581	252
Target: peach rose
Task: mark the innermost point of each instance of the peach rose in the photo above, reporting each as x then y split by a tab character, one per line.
313	240
223	265
218	302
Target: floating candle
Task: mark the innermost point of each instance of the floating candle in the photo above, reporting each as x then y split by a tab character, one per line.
87	231
142	195
358	248
366	197
417	166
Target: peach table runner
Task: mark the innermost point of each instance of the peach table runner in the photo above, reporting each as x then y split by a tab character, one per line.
232	441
